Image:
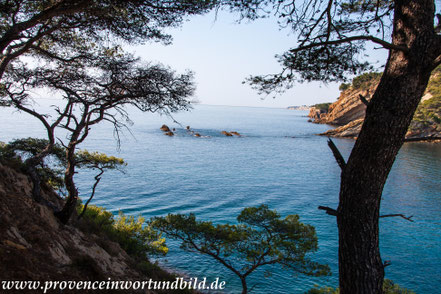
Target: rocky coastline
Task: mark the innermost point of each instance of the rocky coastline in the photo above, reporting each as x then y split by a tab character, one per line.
35	246
347	113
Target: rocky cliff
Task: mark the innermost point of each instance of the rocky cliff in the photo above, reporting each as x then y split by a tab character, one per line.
34	246
348	112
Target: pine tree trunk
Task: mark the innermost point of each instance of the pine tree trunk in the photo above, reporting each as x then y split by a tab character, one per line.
244	285
31	168
71	201
72	198
388	116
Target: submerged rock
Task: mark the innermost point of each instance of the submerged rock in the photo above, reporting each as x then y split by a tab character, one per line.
228	134
236	133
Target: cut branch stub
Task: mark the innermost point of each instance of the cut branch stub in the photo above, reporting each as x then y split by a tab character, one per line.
387	263
328	210
338	157
363	99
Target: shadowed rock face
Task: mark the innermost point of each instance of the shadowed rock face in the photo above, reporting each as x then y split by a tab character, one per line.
350	130
35	246
346	109
348	112
315	113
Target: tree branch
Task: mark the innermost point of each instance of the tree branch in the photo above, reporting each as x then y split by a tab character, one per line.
399	215
363	99
338	157
328	210
59	58
97	180
379	41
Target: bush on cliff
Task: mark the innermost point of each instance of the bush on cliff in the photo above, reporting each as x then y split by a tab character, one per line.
363	81
136	238
344	86
322	106
49	170
428	112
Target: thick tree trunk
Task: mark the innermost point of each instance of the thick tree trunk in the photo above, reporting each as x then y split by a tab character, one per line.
72	198
71	201
388	116
31	168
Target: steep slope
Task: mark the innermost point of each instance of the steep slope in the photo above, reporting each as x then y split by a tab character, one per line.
35	246
348	112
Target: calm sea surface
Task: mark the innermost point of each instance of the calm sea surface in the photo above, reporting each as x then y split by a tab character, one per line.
278	162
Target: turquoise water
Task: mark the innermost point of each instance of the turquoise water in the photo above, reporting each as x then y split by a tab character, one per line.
278	162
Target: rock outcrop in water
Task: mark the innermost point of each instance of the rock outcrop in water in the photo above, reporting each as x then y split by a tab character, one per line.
164	128
348	112
231	134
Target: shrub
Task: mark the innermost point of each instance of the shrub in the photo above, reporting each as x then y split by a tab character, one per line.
50	169
322	106
132	234
344	87
365	80
9	157
428	112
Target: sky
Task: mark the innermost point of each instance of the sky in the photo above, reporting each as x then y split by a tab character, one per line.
222	53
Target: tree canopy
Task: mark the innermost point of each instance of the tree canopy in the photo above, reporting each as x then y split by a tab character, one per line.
70	29
75	51
260	238
330	46
331	37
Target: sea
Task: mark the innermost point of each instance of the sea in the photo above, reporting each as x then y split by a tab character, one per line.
279	161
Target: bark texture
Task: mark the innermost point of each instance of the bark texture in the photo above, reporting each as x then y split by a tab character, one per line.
71	201
388	116
72	198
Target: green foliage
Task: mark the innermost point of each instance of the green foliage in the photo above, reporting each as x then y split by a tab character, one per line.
261	237
322	106
33	146
362	81
389	287
132	234
428	112
344	86
331	38
55	27
365	80
135	238
322	290
50	169
86	159
8	157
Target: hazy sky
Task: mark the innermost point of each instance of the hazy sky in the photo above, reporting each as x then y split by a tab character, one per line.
222	53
